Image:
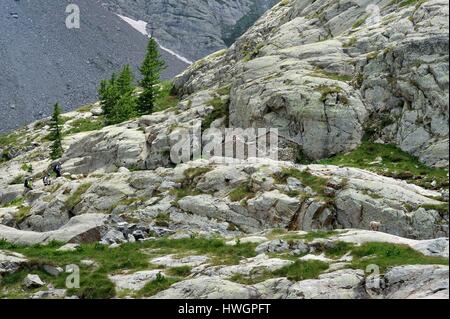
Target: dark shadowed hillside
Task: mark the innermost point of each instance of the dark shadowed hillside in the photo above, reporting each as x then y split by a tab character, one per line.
194	28
42	61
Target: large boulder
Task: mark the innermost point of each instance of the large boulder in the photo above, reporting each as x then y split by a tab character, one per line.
417	282
206	288
135	281
105	150
81	229
11	262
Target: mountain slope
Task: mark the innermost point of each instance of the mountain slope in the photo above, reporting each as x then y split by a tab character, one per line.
194	28
43	62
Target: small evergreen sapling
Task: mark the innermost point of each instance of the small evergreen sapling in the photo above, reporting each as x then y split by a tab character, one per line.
56	149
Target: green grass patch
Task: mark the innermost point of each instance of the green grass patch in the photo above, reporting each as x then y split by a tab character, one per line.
405	3
180	193
317	183
182	271
221	109
387	255
95	285
252	279
85	108
10	139
193	172
19	179
326	90
339	249
188	188
166	99
216	248
320	73
162	220
22	214
350	43
27	168
159	284
86	125
359	22
441	208
224	90
128	257
18	201
395	163
302	270
252	53
241	192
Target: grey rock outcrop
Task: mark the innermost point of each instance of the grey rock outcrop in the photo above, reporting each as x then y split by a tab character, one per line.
32	281
11	262
81	229
360	197
417	282
326	75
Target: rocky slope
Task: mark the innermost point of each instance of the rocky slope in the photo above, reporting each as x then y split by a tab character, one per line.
194	28
336	77
266	229
68	63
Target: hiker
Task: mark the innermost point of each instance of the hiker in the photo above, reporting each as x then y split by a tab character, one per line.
28	183
57	169
46	180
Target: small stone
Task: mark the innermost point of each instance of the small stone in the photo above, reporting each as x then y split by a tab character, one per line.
97	111
114	236
299	248
274	246
52	270
139	234
69	247
33	281
123	170
245	240
88	263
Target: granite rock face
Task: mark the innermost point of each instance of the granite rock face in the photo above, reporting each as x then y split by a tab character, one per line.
193	28
326	74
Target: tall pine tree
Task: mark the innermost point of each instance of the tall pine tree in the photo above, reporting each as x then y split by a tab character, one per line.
56	149
151	69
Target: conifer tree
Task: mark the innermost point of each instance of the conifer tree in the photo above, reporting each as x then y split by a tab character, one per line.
117	97
150	69
56	149
108	95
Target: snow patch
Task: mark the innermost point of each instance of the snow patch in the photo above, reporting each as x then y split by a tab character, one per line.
141	26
